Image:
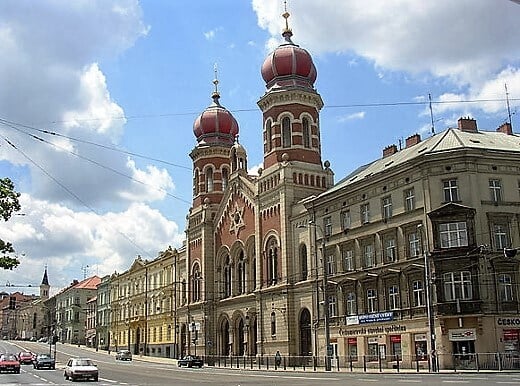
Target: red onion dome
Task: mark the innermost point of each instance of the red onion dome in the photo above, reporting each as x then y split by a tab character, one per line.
216	124
289	64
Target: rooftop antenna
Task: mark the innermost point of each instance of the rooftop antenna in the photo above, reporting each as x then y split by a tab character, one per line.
84	268
508	107
431	113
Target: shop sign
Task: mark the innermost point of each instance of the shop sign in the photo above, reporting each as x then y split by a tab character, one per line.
351	320
462	334
509	321
352	341
377	317
373	339
511	334
395	338
419	337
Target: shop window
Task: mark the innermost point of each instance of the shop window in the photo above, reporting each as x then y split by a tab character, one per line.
352	349
395	347
421	347
372	353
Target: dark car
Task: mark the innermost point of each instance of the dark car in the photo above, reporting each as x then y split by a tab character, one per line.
25	357
124	355
81	368
44	361
190	361
9	362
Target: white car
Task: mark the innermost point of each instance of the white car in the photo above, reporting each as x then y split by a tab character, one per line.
81	368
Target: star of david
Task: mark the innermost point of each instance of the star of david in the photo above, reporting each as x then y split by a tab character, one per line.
237	220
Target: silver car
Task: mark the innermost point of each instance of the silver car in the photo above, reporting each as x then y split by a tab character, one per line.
123	355
81	368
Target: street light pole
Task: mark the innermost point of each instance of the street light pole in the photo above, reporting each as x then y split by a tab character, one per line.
429	301
326	315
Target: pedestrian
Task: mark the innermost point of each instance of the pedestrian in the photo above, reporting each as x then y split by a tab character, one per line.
277	358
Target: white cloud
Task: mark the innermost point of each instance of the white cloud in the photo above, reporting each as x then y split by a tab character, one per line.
353	116
253	170
51	234
465	41
210	35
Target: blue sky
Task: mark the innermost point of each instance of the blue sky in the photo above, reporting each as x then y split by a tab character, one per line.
132	76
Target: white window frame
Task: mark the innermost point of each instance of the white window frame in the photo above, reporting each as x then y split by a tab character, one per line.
348	260
365	213
500	236
393	297
346	220
386	203
451	190
453	234
333	306
351	303
419	299
409	199
414	244
457	285
371	300
327	226
505	287
495	189
331	264
390	250
369	256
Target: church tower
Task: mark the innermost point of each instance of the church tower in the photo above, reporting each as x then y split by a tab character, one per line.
215	130
44	287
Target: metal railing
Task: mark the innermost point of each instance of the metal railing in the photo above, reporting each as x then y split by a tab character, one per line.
498	361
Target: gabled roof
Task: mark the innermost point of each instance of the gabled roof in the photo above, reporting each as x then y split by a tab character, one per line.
89	283
447	141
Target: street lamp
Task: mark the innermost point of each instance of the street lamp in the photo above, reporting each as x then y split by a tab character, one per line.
326	316
429	301
246	326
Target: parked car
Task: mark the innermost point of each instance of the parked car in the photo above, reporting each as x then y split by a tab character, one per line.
124	355
43	339
81	368
190	361
25	357
9	362
43	361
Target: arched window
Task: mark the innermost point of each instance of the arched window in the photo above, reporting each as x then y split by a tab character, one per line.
272	262
306	133
303	262
286	132
196	183
226	272
273	323
241	273
225	178
209	180
195	283
268	136
253	271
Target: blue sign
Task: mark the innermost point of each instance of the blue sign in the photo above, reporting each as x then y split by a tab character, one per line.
377	317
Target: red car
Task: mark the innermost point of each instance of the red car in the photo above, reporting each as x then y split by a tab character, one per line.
25	357
9	362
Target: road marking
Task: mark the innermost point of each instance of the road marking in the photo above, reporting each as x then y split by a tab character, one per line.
410	380
454	381
368	380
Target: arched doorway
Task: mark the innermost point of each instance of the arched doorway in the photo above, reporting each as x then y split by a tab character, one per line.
137	341
224	338
240	337
305	333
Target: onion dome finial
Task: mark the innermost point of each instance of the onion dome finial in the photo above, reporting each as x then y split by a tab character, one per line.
287	32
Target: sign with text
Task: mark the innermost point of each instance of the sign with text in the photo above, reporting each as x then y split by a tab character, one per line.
377	317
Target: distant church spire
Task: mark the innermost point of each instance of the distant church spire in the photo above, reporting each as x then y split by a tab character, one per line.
44	287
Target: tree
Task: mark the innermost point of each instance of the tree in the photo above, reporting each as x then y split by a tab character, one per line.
8	205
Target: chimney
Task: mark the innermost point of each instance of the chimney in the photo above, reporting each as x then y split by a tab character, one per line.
468	124
505	128
389	150
413	140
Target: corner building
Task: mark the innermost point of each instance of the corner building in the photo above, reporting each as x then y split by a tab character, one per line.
421	229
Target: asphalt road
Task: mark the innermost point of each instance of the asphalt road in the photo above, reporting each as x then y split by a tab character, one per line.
139	372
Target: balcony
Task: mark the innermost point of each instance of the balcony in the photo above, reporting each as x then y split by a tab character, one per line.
460	308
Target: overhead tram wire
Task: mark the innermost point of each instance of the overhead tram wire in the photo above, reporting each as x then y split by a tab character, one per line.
97	163
74	195
54	133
